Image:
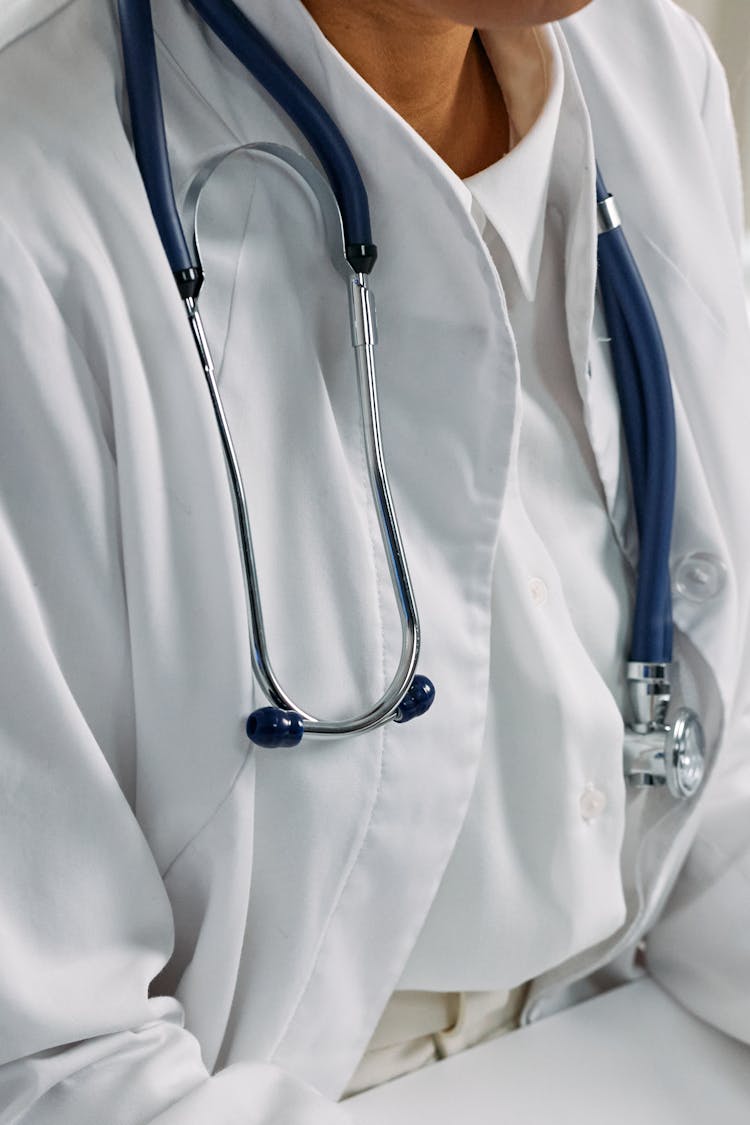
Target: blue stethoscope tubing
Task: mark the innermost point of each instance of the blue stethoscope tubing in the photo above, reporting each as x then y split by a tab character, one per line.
644	388
260	58
640	362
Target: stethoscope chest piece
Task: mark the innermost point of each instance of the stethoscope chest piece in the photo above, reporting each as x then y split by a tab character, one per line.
658	753
685	754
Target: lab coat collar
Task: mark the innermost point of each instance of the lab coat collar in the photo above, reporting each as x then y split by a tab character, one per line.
527	63
513	192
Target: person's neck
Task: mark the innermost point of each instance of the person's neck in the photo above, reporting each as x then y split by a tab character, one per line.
434	73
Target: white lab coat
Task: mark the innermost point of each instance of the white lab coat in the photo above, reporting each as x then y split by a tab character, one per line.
130	819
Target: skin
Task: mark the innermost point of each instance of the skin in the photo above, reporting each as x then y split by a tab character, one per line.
424	58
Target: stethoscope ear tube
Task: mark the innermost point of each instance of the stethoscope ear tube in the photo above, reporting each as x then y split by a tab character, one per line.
314	122
147	124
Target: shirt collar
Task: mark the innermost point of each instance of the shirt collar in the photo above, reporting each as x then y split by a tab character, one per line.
512	193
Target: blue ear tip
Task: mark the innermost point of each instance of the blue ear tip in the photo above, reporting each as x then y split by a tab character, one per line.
418	699
272	728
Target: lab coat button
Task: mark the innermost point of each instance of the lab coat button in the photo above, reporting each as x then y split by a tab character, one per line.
538	591
699	576
592	803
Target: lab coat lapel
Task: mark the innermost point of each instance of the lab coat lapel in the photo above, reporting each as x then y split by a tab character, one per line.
445	353
575	161
704	327
575	157
448	387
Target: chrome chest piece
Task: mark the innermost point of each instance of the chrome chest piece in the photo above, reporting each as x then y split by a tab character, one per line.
658	753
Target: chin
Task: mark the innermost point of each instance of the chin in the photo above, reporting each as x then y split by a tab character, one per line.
497	14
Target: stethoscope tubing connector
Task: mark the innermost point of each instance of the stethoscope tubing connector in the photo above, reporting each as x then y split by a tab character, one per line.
658	753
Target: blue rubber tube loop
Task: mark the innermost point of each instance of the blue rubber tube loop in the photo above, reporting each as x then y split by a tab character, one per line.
644	363
652	635
147	124
254	51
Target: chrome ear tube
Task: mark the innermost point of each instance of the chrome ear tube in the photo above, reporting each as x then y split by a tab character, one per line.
283	723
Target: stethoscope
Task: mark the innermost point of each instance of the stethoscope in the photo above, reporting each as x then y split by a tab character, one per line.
657	753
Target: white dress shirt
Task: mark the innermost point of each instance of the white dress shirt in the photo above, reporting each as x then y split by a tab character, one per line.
553	737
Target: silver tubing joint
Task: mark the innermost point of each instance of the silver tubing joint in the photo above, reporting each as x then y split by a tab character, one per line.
609	216
650	692
362	313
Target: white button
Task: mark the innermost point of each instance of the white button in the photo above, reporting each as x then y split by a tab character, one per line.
592	802
538	591
700	576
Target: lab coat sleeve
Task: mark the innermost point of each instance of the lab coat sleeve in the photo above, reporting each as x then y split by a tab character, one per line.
85	921
699	951
700	948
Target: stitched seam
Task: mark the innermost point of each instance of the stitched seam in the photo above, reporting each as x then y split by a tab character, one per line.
376	796
701	36
81	355
487	271
334	907
211	816
719	860
35	26
170	58
238	263
676	269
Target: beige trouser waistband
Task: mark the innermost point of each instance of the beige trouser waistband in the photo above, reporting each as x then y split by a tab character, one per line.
418	1028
